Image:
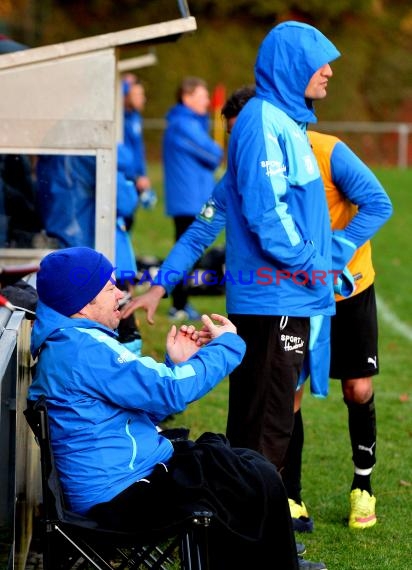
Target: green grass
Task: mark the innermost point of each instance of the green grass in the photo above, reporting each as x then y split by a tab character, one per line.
327	466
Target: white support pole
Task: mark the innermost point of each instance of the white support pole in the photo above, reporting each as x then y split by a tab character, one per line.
403	145
106	163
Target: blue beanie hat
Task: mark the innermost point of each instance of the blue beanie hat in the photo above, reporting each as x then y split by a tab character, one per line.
70	278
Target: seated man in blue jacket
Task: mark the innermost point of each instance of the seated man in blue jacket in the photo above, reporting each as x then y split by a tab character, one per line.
104	403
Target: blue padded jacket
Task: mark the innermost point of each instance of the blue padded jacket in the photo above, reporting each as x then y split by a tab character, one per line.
190	158
104	402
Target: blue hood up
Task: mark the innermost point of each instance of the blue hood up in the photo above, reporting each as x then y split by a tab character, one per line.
297	50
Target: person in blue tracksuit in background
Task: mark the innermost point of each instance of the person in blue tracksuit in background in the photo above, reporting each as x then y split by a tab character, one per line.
134	102
104	403
66	198
190	159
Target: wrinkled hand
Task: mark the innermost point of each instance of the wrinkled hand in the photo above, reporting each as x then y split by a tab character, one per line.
210	330
148	301
181	343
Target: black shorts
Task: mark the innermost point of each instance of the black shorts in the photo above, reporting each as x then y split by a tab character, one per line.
354	337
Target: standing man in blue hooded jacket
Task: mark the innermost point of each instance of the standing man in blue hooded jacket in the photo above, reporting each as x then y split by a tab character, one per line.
273	205
190	159
278	236
278	229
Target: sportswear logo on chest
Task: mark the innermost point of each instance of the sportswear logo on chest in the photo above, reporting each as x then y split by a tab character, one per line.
273	167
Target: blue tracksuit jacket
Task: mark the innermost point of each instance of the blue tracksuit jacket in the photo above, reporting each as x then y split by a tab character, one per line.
133	139
104	402
190	158
277	223
66	195
272	196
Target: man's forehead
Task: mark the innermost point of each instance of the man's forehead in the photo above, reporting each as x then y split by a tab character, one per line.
110	283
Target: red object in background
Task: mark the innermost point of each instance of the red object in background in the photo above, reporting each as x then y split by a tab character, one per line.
218	97
217	101
6	303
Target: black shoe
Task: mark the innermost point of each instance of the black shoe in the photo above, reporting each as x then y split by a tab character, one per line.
300	548
308	565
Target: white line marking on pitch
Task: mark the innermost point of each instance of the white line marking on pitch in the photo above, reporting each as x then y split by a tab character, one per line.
391	319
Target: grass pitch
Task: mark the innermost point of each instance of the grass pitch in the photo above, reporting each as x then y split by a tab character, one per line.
327	465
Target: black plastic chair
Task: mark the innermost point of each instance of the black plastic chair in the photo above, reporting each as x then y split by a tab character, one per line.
71	541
